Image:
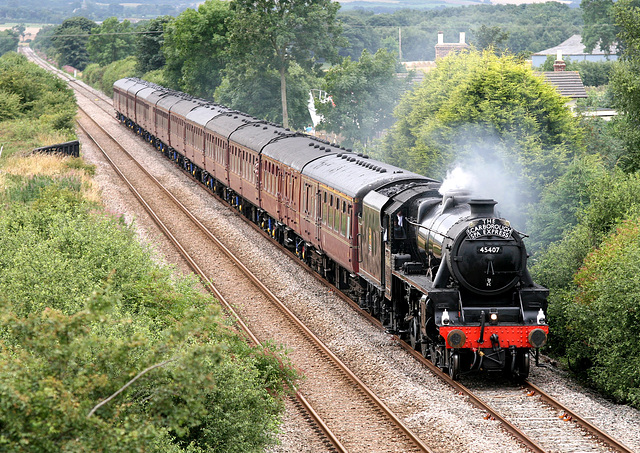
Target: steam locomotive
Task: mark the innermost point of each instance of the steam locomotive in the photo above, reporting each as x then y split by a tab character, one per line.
442	271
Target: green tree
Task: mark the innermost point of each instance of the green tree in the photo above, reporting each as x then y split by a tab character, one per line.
148	47
9	40
481	108
602	201
279	33
625	83
364	94
103	349
599	24
195	45
255	89
70	41
490	38
27	91
111	41
563	202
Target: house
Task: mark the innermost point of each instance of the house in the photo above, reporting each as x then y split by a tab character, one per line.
568	83
573	49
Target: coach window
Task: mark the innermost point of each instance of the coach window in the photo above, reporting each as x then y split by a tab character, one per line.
336	220
349	213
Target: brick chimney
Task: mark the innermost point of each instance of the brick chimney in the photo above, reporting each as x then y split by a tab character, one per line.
559	65
443	49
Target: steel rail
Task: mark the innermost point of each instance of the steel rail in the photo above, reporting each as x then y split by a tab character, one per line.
208	283
574	417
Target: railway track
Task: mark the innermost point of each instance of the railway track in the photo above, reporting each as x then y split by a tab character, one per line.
508	404
347	410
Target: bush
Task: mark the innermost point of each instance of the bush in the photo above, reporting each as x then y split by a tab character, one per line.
84	309
27	91
117	70
605	316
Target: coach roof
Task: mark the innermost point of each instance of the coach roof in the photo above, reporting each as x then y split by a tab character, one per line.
298	150
204	113
355	174
228	122
258	134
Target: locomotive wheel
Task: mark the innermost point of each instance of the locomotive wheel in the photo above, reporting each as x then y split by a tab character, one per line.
454	366
414	334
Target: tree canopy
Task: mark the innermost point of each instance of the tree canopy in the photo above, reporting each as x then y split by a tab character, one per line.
518	29
70	41
276	34
111	41
195	45
9	40
363	96
625	83
478	109
599	28
148	46
31	93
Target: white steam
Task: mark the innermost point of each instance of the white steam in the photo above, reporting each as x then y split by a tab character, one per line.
486	168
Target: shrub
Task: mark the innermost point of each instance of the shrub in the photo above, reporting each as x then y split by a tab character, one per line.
84	309
605	315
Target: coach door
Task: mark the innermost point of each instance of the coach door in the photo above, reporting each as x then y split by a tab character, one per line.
318	213
280	194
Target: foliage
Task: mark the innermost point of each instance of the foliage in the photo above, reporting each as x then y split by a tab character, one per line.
603	139
625	83
599	26
103	78
27	91
255	90
194	48
490	38
43	42
56	11
9	40
278	34
85	309
148	45
607	198
485	110
70	41
111	41
597	98
364	94
563	201
604	318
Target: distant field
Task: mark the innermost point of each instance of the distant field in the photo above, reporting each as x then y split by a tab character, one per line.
30	32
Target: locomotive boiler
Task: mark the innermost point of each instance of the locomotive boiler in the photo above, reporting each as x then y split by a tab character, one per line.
444	272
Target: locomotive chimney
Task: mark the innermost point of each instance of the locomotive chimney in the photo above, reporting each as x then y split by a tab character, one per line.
482	208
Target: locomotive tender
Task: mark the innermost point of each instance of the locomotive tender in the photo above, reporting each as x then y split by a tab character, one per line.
442	271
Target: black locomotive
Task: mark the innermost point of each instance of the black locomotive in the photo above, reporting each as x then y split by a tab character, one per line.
442	271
